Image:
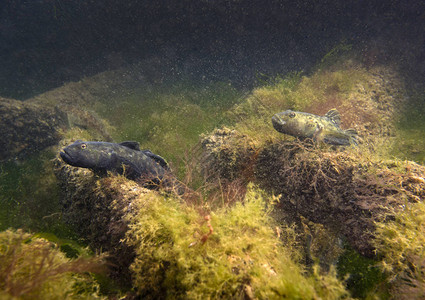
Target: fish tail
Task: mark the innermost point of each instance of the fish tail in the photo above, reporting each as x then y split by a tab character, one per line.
353	135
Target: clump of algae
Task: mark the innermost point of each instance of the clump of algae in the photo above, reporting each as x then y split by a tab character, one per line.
227	253
34	268
401	243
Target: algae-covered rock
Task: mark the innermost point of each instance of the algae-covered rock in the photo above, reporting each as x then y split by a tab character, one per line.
400	240
369	101
76	100
228	154
344	190
341	190
35	124
232	252
93	206
86	92
27	127
176	250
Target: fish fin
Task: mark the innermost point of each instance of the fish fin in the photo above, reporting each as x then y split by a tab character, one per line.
348	138
161	161
340	141
131	145
317	132
351	131
334	116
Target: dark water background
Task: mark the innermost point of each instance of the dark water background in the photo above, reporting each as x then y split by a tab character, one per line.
44	43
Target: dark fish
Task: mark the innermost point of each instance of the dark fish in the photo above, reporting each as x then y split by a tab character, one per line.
125	158
304	125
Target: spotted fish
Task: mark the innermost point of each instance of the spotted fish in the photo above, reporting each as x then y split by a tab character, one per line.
125	158
318	128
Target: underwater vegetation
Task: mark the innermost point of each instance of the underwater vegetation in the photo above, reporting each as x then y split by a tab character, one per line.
238	240
174	249
410	143
400	240
29	196
34	268
363	277
243	258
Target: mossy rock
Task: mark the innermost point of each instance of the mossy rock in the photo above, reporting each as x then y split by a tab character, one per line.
344	190
400	239
227	154
28	128
167	248
93	207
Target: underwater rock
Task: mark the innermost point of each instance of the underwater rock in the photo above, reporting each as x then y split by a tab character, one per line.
28	127
87	120
339	189
376	103
80	99
227	154
343	191
162	248
76	101
86	92
94	207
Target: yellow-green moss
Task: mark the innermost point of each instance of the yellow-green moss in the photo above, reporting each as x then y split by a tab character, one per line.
34	268
410	143
179	257
401	243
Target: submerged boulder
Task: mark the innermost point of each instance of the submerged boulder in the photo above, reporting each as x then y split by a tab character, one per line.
94	207
346	191
28	127
164	248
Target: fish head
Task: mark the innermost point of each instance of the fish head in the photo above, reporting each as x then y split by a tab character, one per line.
84	154
293	123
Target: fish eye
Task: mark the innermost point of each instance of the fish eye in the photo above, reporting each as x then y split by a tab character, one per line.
292	114
83	146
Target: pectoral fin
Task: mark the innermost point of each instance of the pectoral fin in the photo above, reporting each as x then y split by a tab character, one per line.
131	145
334	140
350	131
334	116
161	161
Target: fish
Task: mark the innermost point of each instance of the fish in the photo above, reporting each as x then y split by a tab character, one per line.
325	128
124	158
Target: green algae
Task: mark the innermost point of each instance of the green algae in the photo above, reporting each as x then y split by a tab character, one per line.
399	240
34	268
363	277
231	252
29	196
411	128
